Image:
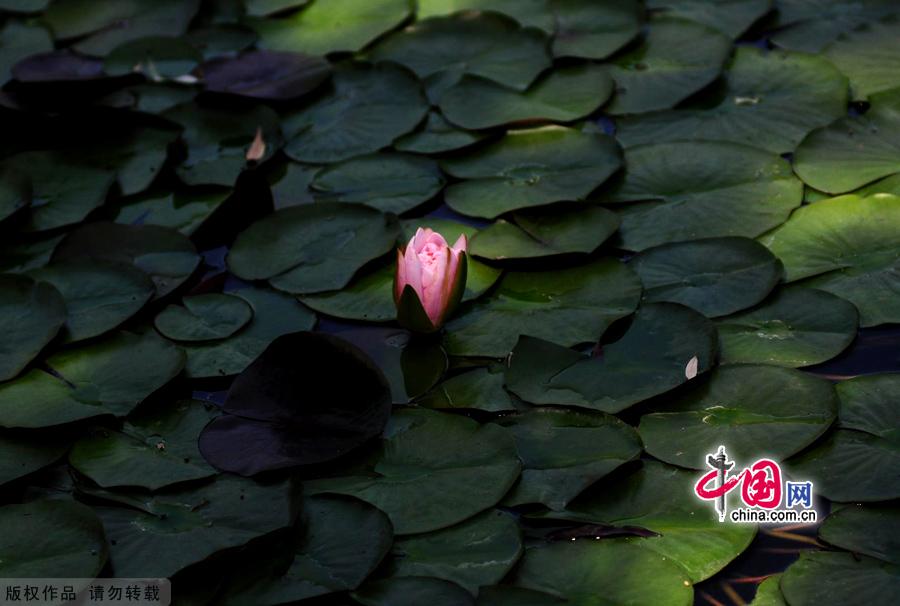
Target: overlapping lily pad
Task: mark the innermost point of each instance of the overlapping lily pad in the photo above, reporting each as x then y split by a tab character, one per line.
872	530
158	57
266	75
204	318
531	168
822	577
15	192
184	211
650	359
869	56
24	452
769	592
810	27
532	13
731	17
436	136
594	29
31	314
27	39
480	388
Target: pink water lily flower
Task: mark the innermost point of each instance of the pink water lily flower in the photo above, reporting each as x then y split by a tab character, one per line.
430	280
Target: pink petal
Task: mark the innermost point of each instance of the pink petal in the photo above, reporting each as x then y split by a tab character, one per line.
420	238
462	244
434	300
413	270
400	277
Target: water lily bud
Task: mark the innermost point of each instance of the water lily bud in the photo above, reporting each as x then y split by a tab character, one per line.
430	280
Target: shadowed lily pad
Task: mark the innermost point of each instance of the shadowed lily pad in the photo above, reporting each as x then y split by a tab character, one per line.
31	314
266	75
481	388
184	211
15	192
24	452
412	591
594	29
436	136
21	40
204	318
872	530
731	17
811	26
824	578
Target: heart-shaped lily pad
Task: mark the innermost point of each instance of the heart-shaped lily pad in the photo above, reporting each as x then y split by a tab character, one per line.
872	530
731	17
31	314
715	276
435	136
652	358
741	406
826	578
594	29
434	470
531	168
869	56
204	318
111	376
266	75
567	306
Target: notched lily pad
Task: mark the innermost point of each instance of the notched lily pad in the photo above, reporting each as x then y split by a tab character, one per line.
204	318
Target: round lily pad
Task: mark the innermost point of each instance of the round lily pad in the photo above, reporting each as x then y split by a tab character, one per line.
742	407
715	276
531	168
562	95
594	29
433	470
651	358
412	591
567	306
365	109
51	539
31	314
204	318
872	530
436	136
691	190
677	58
15	192
111	376
479	551
794	327
268	75
312	248
869	56
848	247
825	578
389	182
731	17
769	99
24	452
563	452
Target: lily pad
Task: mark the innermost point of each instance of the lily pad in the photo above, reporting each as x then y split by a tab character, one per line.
366	109
869	56
855	462
532	13
769	592
389	182
31	314
770	99
562	95
872	530
15	192
567	306
99	295
731	17
262	8
333	26
436	136
204	318
266	75
312	248
21	40
649	360
159	58
825	578
168	257
847	246
794	327
290	184
741	406
412	591
137	155
676	59
156	448
184	211
434	470
531	168
508	595
594	29
479	551
715	276
564	452
690	190
481	388
24	452
810	26
111	376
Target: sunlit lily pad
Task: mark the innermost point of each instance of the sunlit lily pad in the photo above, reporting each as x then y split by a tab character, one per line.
824	578
742	407
31	314
204	318
412	591
434	470
24	452
436	136
568	306
794	327
111	376
847	246
532	13
869	56
594	29
531	168
481	388
731	17
650	359
715	276
872	530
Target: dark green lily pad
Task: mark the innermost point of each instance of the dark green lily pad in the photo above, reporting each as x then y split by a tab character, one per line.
266	75
434	470
290	184
184	211
312	248
479	551
389	182
23	255
731	17
769	592
823	578
436	136
546	232
156	448
531	13
21	40
769	99
262	8
137	156
99	295
531	168
741	406
653	357
165	255
562	95
794	327
567	306
869	56
159	58
847	246
508	595
328	27
111	376
31	314
872	530
857	462
412	591
676	59
51	539
564	452
204	318
690	190
15	192
594	29
366	109
24	452
811	26
481	388
578	570
715	276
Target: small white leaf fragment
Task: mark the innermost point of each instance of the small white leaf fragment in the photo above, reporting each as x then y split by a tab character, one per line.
258	148
690	371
